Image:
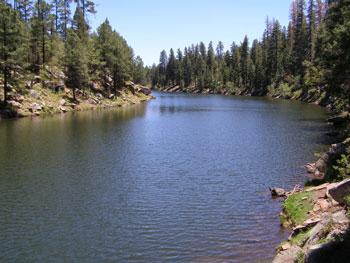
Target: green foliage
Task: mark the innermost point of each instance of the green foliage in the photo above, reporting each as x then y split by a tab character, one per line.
10	45
306	60
342	168
300	257
297	208
300	238
75	62
284	90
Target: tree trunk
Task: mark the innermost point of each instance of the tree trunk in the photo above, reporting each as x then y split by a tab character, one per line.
74	93
43	48
5	85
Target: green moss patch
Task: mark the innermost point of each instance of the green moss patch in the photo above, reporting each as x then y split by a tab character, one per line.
297	206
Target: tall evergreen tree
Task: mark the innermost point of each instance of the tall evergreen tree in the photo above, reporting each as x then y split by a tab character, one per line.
10	31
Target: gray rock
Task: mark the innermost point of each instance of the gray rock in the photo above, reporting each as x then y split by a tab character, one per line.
36	107
48	85
61	102
15	104
37	79
277	192
59	86
146	91
29	84
93	101
62	109
288	256
340	191
314	232
34	94
20	98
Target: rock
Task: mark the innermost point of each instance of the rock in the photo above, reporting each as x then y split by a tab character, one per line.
336	151
277	192
340	217
285	246
62	109
311	168
314	253
37	79
317	188
145	91
287	256
14	104
62	102
20	98
93	101
339	191
339	120
34	94
29	84
59	86
100	96
314	232
48	85
132	89
36	107
324	204
111	96
305	225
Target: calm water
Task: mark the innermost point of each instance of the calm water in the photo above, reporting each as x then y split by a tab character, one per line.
183	178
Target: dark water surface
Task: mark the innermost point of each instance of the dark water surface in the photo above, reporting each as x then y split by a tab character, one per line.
183	178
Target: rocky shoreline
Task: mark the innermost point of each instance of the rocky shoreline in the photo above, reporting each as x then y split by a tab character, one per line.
313	97
318	216
44	97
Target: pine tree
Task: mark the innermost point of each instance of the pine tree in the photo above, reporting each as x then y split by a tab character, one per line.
40	22
187	70
300	50
139	72
163	61
220	50
104	46
336	51
171	68
10	32
24	8
244	50
257	59
76	69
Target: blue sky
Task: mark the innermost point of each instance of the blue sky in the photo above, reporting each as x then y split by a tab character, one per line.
149	26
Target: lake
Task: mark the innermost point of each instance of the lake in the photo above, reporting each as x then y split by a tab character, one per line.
182	178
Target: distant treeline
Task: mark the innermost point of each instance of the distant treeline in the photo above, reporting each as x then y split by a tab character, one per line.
311	55
36	34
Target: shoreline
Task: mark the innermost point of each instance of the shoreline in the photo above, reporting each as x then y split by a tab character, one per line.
44	102
316	214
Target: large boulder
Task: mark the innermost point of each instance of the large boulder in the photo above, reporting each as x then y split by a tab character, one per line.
340	191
